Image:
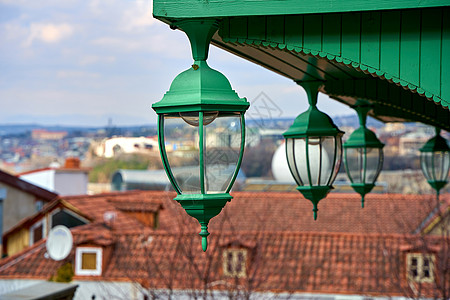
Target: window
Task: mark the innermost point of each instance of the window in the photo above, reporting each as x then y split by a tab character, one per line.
39	205
66	218
234	262
37	231
420	267
88	261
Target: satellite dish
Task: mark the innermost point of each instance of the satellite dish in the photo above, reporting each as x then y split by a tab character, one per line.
59	242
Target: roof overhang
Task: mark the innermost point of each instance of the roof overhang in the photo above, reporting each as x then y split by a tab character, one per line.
390	54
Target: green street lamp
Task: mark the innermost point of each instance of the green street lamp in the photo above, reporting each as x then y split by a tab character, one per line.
204	117
435	161
363	154
313	149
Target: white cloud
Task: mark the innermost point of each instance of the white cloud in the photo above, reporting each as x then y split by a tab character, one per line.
138	17
93	59
48	32
77	74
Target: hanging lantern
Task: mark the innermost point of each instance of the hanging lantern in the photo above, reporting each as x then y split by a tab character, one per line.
313	150
201	127
435	161
363	154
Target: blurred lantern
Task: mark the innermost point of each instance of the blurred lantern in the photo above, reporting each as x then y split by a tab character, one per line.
313	149
363	154
435	161
201	120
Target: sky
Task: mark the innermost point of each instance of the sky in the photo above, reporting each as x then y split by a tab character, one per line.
81	63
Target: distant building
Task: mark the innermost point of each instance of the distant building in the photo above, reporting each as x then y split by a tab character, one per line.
68	180
45	135
409	144
110	147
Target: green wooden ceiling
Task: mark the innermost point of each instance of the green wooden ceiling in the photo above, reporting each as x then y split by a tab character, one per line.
398	59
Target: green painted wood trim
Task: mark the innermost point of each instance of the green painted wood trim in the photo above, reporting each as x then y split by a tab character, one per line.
390	100
388	45
227	8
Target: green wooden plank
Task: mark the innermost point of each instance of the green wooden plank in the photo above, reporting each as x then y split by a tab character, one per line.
294	31
430	51
332	33
410	46
351	26
390	43
257	28
371	88
275	29
238	28
383	90
167	9
445	64
312	37
224	28
370	39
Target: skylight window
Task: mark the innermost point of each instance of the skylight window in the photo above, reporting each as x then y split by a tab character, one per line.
88	261
234	262
420	267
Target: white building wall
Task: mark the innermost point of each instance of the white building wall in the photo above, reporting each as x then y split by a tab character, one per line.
127	145
44	179
71	182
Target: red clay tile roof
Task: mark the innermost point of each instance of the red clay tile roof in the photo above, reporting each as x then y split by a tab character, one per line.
348	250
367	264
27	187
247	211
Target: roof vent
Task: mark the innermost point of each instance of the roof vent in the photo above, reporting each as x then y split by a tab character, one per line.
109	217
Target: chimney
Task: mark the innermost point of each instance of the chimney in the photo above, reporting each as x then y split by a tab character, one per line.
72	163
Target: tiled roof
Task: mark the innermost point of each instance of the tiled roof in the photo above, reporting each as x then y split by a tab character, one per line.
247	211
27	187
368	264
347	250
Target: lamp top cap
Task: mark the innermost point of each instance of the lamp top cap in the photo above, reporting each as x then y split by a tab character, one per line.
200	88
436	143
363	137
312	122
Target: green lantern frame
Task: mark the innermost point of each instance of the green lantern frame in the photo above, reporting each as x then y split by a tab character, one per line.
200	90
432	147
363	140
308	126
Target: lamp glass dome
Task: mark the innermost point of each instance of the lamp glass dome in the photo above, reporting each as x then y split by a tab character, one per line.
363	164
314	161
221	145
435	165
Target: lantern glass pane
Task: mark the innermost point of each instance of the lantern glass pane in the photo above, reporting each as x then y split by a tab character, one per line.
312	164
363	165
290	143
373	164
331	145
181	142
222	147
354	164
